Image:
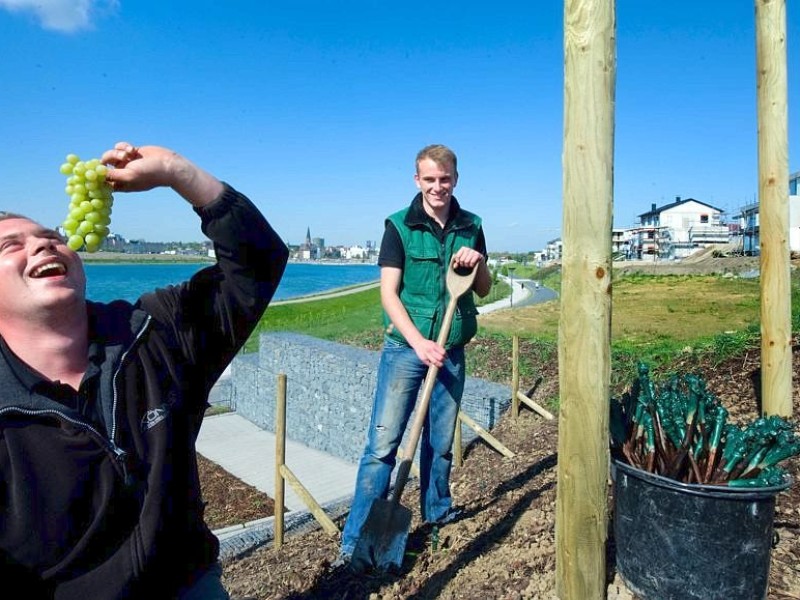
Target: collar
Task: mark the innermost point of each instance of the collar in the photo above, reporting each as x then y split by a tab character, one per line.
27	376
417	217
31	378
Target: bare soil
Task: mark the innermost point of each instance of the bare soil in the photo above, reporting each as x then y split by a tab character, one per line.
504	545
704	262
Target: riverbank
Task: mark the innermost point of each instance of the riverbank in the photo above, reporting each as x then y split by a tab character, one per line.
342	291
334	262
125	257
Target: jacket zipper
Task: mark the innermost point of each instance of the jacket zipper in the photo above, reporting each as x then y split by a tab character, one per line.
118	453
444	266
117	371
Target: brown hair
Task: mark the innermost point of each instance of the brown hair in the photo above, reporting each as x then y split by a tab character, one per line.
10	215
439	154
5	216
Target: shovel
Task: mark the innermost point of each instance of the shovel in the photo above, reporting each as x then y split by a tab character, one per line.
382	544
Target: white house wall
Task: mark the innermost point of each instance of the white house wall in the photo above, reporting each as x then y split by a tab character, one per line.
681	218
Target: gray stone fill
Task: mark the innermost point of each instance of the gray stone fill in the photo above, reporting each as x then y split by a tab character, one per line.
329	392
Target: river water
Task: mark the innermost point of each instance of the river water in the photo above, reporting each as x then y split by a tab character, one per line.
106	282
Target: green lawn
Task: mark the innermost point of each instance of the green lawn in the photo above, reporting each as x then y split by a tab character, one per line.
343	317
645	309
652	317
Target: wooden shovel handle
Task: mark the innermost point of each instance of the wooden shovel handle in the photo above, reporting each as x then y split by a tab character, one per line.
457	286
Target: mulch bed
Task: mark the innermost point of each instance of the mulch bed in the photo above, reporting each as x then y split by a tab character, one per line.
504	546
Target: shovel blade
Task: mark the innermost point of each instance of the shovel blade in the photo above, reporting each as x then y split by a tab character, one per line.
382	544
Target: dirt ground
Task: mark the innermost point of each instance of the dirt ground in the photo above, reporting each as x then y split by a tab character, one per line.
504	546
701	263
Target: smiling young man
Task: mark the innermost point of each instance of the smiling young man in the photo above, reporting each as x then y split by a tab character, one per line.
419	244
100	404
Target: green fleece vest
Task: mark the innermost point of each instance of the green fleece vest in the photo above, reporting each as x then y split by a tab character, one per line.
423	289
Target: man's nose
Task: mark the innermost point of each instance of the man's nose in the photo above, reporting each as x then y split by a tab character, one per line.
40	244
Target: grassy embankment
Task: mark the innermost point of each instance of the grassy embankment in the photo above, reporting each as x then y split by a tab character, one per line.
354	319
654	318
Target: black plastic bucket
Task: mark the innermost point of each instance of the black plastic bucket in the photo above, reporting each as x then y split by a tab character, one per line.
690	541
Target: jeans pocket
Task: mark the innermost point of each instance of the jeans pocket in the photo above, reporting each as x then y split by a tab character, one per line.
390	343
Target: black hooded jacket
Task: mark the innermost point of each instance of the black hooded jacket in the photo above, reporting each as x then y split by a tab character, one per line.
110	506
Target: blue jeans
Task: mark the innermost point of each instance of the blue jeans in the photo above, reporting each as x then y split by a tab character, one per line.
207	587
400	377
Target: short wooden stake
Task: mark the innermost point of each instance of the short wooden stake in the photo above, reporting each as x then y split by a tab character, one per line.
280	455
487	437
316	510
458	448
515	377
533	406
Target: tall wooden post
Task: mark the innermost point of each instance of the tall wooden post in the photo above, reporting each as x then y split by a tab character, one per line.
773	193
584	363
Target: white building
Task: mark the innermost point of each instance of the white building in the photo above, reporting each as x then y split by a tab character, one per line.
356	252
749	239
554	250
622	241
678	229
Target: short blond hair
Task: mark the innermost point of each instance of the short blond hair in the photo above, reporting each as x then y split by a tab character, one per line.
439	154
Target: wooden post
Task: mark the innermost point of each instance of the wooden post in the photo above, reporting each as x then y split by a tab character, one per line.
514	376
280	456
584	364
773	193
458	448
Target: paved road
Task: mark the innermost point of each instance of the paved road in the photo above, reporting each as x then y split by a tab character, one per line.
524	293
537	293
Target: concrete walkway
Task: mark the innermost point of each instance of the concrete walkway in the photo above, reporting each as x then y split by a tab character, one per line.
248	452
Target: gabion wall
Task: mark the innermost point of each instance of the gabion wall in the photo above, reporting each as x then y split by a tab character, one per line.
329	392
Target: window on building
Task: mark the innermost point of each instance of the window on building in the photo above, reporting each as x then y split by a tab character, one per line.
704	218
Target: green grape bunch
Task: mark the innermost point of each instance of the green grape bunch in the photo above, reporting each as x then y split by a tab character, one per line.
89	217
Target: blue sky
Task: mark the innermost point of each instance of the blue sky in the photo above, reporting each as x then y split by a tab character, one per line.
317	109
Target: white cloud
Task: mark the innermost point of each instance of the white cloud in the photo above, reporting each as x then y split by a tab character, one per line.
62	15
